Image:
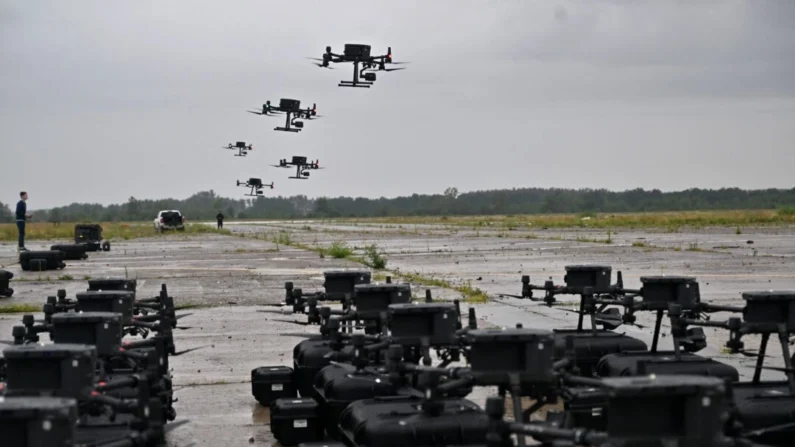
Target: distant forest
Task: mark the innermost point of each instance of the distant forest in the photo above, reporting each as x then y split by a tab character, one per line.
205	205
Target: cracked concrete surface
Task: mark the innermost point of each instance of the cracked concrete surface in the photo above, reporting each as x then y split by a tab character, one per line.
232	276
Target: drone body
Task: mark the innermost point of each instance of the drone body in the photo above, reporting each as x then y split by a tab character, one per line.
241	147
359	54
255	185
292	110
301	165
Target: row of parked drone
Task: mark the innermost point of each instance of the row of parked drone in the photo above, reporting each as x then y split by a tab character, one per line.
104	381
368	378
364	66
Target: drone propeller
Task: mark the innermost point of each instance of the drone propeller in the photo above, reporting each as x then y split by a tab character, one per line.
391	69
280	312
780	369
176	424
297	334
178	353
302	323
184	315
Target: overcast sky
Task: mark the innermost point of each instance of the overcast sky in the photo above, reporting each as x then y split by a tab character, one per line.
102	100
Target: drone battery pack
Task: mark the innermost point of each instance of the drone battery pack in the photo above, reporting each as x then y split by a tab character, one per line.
38	421
321	444
371	300
38	261
590	347
339	284
289	104
107	284
770	307
88	233
764	405
410	323
5	278
337	385
660	291
627	364
597	277
72	252
645	410
585	408
58	370
269	383
357	51
100	329
527	353
400	421
115	301
294	421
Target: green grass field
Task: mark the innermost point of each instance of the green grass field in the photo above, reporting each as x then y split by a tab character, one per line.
110	231
665	220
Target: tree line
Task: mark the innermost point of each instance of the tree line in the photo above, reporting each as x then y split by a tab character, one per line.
206	204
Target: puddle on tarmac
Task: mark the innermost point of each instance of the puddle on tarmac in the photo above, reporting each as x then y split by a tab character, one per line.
260	415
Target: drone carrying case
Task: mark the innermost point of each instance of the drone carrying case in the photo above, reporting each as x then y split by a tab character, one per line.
309	357
107	284
294	421
269	383
589	348
72	252
38	261
38	421
398	421
662	362
338	385
5	278
89	235
765	405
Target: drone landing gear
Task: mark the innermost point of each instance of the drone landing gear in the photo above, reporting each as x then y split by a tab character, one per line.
361	84
369	79
287	129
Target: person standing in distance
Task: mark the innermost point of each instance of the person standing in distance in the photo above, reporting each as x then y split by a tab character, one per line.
220	219
22	216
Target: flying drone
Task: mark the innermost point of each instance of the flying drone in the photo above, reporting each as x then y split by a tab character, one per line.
256	186
242	149
292	108
359	54
301	166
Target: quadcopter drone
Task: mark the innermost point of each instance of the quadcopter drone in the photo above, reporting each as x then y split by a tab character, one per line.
292	108
301	166
256	186
242	149
359	54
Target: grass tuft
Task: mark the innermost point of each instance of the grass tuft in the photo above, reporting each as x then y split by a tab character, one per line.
373	258
19	308
339	250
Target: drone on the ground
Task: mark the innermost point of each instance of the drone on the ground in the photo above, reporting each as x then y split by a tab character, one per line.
301	166
256	186
242	149
292	108
359	54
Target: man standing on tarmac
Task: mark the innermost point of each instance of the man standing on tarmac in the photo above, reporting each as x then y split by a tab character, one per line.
220	219
22	217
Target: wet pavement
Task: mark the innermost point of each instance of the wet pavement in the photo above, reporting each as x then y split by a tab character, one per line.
232	276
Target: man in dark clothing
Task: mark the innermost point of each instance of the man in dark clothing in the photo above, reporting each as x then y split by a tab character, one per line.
22	216
220	219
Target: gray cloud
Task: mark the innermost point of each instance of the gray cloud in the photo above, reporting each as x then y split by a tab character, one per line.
504	93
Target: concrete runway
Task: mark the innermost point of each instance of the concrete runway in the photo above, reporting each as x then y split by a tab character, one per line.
229	277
